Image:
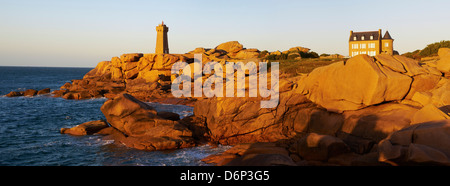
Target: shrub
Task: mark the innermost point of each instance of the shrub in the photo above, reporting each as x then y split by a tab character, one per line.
432	49
309	55
263	53
414	55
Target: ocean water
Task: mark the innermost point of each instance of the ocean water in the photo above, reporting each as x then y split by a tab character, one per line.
29	127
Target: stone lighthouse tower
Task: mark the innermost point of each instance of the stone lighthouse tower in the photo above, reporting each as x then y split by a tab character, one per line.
162	44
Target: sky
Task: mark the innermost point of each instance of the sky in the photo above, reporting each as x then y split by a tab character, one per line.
81	33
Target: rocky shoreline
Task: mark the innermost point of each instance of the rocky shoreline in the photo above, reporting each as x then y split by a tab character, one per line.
375	111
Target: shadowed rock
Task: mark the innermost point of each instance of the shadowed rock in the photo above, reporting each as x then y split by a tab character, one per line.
425	143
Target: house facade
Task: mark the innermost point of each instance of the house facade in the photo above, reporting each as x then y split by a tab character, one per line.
370	43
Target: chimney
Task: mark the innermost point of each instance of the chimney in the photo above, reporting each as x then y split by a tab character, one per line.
379	33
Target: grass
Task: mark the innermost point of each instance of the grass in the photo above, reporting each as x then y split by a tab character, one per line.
292	67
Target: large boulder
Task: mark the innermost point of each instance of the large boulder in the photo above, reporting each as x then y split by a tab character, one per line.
134	57
146	62
236	120
131	74
149	76
165	61
299	49
443	64
30	92
423	83
377	122
247	54
143	127
43	91
412	66
242	120
420	144
230	47
125	112
116	74
440	96
199	50
390	62
102	69
355	84
116	62
429	113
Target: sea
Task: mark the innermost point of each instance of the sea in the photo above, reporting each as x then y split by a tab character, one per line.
30	126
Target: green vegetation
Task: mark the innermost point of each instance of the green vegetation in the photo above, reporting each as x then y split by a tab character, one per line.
430	50
414	55
292	67
263	53
292	55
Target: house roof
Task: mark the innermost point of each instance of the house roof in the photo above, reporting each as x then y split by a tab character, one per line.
387	35
359	36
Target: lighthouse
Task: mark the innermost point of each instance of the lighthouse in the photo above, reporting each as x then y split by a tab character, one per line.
162	44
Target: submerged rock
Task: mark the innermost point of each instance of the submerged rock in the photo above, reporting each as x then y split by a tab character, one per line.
14	94
43	91
28	93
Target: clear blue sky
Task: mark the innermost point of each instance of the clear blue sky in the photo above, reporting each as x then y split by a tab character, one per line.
81	33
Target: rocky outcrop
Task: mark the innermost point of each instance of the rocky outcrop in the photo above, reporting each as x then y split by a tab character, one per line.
230	47
388	94
358	112
247	54
359	82
145	76
143	127
242	120
443	64
135	124
298	49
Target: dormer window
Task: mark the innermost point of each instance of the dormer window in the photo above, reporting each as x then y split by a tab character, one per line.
354	38
362	38
371	37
